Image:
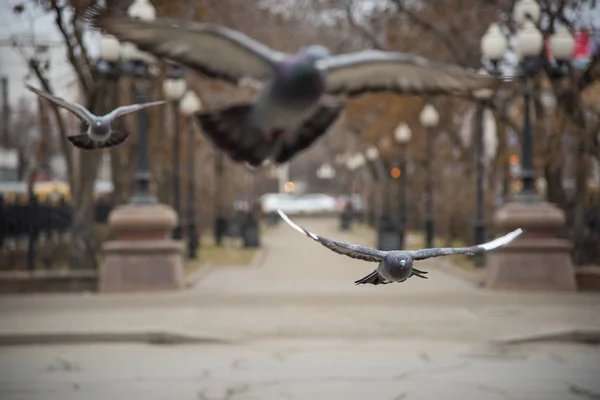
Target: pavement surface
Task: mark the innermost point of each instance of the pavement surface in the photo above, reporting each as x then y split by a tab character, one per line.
294	326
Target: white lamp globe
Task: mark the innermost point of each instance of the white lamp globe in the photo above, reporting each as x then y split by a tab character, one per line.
523	8
142	9
402	134
372	153
109	48
429	117
494	43
174	89
190	103
529	41
562	44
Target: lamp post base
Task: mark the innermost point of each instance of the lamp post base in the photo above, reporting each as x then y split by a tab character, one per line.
142	257
220	228
537	260
387	234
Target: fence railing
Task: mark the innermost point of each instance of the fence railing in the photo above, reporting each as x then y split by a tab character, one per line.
35	234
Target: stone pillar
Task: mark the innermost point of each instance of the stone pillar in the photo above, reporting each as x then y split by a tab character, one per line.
536	260
142	257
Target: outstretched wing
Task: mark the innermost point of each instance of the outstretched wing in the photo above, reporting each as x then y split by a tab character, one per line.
312	129
373	71
80	111
124	110
215	51
448	251
347	249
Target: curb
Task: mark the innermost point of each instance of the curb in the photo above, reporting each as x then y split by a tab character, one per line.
148	337
192	279
582	336
259	258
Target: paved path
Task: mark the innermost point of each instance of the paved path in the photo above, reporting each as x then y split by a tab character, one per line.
301	330
301	289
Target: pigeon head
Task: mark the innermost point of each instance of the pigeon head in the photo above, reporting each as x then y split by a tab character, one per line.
399	259
316	52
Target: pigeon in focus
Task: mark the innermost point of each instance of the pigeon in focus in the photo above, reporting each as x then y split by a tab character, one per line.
302	94
99	133
397	265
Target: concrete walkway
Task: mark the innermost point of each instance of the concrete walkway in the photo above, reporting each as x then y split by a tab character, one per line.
301	289
300	329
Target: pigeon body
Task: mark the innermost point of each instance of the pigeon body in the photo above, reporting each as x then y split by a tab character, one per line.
397	265
99	133
291	112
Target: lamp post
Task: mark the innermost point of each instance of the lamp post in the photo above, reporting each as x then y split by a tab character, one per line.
482	96
220	223
352	162
139	65
429	118
402	135
372	154
142	256
190	104
174	88
528	45
542	221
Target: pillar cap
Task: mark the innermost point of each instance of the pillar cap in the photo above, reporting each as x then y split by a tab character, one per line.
533	217
141	218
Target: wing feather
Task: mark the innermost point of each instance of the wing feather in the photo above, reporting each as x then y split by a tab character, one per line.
80	111
347	249
373	70
215	51
472	250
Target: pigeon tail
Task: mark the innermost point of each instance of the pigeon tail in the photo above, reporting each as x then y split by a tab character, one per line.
84	142
228	128
373	278
312	129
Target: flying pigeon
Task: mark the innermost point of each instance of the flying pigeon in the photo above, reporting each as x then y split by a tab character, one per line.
397	265
291	111
99	133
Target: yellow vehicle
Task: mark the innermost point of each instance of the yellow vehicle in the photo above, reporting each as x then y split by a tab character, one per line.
51	191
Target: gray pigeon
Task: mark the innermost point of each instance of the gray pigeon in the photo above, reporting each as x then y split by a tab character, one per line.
289	113
397	265
99	133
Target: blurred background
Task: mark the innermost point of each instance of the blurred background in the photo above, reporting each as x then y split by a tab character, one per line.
393	172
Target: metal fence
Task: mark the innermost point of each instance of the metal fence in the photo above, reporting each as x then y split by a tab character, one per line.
35	234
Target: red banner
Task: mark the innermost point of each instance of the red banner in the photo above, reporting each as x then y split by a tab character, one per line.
583	46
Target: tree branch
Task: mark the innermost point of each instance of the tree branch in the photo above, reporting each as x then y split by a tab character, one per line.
64	143
370	36
454	48
70	47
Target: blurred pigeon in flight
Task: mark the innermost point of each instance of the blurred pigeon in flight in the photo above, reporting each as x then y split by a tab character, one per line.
289	113
397	265
99	133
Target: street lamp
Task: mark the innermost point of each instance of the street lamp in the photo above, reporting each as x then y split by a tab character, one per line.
429	118
541	220
220	223
482	96
402	135
325	172
174	88
372	154
190	105
139	65
143	256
